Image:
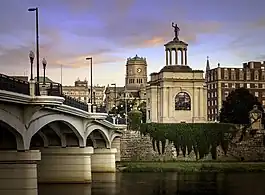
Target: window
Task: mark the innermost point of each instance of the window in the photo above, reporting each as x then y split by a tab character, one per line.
256	85
263	75
263	102
256	75
149	114
233	75
182	101
225	74
233	85
226	85
263	94
226	93
248	74
256	94
241	74
241	85
248	85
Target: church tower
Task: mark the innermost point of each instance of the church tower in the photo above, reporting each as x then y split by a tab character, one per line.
136	73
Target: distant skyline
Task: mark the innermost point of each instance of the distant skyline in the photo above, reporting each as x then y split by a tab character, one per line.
110	31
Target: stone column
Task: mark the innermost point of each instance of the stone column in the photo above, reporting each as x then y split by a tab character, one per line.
170	57
186	57
116	143
103	160
182	57
176	57
166	56
18	172
65	165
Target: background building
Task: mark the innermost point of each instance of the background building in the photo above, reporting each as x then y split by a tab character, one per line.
81	91
135	84
176	93
221	81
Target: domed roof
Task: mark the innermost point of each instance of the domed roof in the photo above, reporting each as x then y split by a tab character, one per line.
176	68
136	57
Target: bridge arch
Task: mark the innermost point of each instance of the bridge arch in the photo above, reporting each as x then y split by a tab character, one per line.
75	125
16	127
103	131
114	135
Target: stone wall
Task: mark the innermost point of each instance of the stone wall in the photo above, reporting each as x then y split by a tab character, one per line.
135	147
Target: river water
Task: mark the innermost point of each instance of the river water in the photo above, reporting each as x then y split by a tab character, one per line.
163	184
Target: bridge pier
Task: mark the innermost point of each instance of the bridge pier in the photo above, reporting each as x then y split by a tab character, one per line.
103	160
65	165
18	172
116	143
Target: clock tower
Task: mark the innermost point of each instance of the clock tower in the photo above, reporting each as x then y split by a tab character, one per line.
136	73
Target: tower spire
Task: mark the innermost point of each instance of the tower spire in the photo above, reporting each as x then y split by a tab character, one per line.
207	64
207	69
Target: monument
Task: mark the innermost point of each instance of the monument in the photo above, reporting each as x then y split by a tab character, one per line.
176	93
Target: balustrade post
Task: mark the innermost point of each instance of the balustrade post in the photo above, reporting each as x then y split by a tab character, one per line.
32	85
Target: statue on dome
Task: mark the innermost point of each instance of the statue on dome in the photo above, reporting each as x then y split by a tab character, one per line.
176	30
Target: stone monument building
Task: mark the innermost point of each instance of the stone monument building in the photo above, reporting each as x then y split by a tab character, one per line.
176	93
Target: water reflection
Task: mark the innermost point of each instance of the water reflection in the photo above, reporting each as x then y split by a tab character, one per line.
164	184
64	189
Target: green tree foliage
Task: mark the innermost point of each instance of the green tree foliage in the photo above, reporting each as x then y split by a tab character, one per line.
202	138
236	107
120	109
142	108
134	119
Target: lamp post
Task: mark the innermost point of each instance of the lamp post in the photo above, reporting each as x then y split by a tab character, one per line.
91	82
44	63
36	10
31	58
115	95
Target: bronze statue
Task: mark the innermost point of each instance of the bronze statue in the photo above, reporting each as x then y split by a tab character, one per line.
176	30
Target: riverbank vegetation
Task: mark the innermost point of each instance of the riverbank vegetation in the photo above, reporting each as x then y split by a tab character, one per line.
202	138
183	166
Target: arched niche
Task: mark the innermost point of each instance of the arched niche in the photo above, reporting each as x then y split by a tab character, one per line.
182	101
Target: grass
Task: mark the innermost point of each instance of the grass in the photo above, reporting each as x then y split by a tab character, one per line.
191	166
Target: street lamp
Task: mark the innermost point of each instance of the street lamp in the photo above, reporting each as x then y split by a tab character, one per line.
31	58
36	10
91	76
44	63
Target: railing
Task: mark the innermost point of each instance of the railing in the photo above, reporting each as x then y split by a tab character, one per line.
14	85
75	103
55	89
117	120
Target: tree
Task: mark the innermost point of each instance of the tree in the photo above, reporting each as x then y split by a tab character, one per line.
120	108
142	108
236	107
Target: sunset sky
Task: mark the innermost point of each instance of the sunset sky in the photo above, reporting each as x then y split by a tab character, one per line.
230	32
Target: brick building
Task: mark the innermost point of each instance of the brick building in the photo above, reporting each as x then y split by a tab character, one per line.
221	81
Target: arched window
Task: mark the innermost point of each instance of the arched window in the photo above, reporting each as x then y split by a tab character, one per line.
182	101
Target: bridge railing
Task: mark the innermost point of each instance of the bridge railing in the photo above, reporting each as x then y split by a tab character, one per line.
116	120
14	85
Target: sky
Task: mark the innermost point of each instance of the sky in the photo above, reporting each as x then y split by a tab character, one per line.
230	32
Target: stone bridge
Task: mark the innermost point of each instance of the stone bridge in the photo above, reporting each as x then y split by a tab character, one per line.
42	139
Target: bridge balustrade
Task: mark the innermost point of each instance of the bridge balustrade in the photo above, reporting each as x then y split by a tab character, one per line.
12	84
